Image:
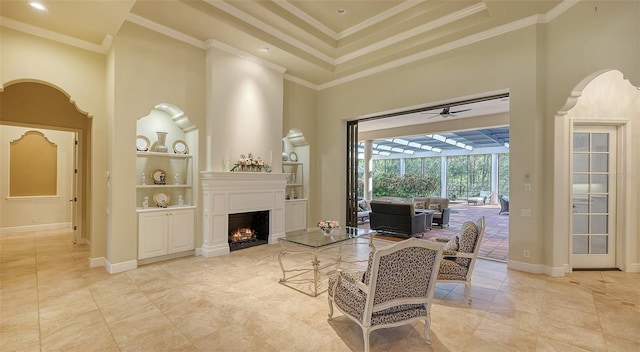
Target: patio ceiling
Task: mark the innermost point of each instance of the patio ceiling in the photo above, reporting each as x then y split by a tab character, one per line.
481	141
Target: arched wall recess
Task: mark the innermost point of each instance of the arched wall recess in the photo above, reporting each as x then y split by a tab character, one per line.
33	166
603	98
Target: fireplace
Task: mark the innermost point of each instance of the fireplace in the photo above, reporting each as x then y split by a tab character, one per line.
248	229
227	193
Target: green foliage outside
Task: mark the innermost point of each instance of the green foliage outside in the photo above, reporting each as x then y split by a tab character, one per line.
467	175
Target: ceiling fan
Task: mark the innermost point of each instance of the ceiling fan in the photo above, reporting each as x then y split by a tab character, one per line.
446	112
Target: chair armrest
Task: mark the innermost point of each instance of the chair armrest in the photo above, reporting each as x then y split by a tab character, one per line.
455	254
351	280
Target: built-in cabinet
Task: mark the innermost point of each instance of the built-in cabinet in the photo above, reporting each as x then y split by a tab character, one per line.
295	203
295	215
165	199
165	232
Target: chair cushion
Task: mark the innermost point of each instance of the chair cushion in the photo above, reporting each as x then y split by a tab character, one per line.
450	270
452	244
434	206
467	241
419	205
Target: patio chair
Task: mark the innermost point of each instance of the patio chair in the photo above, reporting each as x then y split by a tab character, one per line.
460	253
396	289
504	204
480	199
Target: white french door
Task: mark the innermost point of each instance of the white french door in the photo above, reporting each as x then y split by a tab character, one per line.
593	221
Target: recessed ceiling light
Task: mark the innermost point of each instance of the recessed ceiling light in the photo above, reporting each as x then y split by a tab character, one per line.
265	49
341	12
38	6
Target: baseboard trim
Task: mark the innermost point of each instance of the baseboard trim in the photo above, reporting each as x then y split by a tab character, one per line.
39	227
536	268
120	267
96	262
211	251
633	268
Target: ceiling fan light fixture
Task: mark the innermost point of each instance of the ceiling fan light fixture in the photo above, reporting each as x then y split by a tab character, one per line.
341	12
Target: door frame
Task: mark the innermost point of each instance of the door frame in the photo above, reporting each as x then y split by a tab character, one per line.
613	217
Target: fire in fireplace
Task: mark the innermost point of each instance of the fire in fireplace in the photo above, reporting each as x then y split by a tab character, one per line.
248	229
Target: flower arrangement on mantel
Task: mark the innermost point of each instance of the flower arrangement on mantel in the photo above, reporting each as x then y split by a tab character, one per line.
328	225
250	164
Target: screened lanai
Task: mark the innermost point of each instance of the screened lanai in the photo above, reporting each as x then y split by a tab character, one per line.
455	165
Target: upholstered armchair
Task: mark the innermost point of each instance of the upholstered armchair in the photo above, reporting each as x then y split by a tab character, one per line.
440	207
460	253
504	204
396	289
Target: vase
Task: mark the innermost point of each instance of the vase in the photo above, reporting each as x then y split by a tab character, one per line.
328	231
162	139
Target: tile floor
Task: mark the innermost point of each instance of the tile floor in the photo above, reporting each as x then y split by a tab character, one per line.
51	301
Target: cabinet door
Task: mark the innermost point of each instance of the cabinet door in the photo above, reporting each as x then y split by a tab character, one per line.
152	234
295	213
181	230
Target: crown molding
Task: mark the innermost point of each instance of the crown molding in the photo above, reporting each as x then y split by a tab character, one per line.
169	32
285	4
270	30
212	43
478	37
300	81
471	10
103	48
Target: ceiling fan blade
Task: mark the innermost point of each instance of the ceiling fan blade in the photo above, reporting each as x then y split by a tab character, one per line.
455	112
429	113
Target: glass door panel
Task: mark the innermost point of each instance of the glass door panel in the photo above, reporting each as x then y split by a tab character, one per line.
592	230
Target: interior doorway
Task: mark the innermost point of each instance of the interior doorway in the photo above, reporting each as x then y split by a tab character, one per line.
40	105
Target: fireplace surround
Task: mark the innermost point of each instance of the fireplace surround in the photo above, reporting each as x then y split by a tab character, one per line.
225	193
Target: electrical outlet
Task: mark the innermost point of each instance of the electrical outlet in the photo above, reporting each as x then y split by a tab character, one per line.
525	253
525	212
34	220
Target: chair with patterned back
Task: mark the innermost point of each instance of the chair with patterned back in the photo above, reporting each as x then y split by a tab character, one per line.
396	289
460	253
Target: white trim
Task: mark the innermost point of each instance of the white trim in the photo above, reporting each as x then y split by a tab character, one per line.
559	10
120	267
413	32
270	30
536	268
169	32
213	251
633	268
212	43
349	31
97	262
57	37
40	227
300	81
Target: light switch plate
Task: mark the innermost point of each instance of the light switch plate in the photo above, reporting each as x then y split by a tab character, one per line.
527	187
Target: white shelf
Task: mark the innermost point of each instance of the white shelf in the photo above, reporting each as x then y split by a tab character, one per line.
164	186
166	155
171	207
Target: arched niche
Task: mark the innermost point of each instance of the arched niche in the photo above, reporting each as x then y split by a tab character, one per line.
603	98
39	104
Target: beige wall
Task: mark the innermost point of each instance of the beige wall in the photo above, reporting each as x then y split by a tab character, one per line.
538	65
148	69
17	214
80	75
244	109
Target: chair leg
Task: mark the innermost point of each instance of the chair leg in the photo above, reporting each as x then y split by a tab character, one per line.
330	301
467	291
427	325
365	335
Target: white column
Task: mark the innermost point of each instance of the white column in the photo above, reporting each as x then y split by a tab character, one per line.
494	178
443	177
368	163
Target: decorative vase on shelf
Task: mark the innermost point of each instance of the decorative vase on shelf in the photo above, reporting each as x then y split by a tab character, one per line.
162	139
328	231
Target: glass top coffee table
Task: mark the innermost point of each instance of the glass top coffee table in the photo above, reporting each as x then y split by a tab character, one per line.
315	244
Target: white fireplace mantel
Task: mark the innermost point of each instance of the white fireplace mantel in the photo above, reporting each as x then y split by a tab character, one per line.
225	193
